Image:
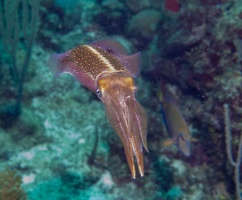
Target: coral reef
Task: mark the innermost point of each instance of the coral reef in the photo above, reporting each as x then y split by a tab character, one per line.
62	144
144	23
10	186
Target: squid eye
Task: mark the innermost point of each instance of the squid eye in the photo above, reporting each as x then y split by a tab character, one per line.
98	92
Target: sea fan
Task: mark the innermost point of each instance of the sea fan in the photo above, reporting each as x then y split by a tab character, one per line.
10	186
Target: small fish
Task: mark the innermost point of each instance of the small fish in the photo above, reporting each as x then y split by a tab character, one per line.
105	68
176	126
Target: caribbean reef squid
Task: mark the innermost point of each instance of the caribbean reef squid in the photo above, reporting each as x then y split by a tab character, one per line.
105	68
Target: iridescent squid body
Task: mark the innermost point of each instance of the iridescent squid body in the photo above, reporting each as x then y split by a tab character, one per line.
105	68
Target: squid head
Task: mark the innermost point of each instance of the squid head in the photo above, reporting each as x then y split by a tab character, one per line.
126	115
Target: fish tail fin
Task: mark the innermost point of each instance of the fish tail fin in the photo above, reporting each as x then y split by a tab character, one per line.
56	67
159	93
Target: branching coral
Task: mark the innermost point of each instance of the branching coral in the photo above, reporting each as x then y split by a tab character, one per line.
18	27
235	163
